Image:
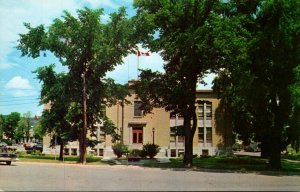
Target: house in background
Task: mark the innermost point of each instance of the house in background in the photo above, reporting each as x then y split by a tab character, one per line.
213	132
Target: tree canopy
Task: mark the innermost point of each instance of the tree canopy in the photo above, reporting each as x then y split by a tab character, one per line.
256	87
185	42
89	48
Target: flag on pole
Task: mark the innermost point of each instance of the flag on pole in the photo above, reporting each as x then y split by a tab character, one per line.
143	54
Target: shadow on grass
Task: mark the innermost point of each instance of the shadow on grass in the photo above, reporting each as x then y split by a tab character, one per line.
232	164
216	164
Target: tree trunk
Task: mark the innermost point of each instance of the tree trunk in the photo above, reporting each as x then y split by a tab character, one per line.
61	152
265	149
189	134
188	144
84	130
275	153
275	139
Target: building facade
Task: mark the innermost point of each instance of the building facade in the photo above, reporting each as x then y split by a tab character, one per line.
212	135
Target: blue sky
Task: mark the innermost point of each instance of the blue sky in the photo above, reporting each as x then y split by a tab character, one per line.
19	89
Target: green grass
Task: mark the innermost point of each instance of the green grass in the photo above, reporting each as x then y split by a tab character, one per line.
295	156
54	159
236	163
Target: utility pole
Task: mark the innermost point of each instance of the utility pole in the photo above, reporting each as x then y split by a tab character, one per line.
122	127
84	132
153	131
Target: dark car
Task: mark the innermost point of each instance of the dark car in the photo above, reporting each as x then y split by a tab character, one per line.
37	147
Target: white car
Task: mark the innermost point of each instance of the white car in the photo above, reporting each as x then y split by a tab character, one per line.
5	156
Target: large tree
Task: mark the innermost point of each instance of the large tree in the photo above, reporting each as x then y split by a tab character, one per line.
181	32
294	132
89	48
11	124
257	88
53	121
2	120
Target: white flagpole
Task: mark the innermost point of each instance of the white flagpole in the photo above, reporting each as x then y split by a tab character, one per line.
138	65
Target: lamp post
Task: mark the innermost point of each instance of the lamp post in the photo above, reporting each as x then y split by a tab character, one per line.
153	130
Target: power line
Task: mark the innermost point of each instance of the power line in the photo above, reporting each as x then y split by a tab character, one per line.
9	96
17	99
12	104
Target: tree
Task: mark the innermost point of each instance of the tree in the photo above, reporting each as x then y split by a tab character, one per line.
38	131
11	124
20	131
54	120
294	131
2	123
257	89
185	42
89	49
27	117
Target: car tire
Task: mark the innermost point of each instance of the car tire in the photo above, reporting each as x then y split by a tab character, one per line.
8	162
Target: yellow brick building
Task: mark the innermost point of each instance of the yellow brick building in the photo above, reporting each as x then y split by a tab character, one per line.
212	135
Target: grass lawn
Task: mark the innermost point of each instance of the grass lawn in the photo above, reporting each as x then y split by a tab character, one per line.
238	163
54	159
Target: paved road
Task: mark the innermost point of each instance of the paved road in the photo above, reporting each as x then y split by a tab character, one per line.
41	177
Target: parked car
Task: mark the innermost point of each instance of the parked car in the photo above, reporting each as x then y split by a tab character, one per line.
37	147
5	156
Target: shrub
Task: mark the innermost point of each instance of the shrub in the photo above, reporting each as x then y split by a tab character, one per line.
119	149
151	150
138	152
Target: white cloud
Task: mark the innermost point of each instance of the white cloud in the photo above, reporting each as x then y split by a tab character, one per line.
99	3
18	83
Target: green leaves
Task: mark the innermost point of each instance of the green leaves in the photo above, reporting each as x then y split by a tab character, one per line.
295	88
32	43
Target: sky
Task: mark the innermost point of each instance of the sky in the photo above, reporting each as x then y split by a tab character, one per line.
19	88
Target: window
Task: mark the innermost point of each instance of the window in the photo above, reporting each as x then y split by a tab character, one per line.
180	139
172	134
200	111
137	110
201	134
102	137
177	131
66	151
208	134
73	151
208	111
137	135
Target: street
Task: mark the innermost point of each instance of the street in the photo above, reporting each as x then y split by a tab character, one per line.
40	176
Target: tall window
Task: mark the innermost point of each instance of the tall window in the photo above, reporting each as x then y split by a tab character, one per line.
137	108
177	131
208	134
172	134
201	134
137	135
207	111
200	111
204	111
